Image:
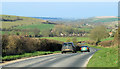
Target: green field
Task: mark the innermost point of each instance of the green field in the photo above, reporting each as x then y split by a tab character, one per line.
22	22
84	29
65	38
78	38
38	26
4	32
105	57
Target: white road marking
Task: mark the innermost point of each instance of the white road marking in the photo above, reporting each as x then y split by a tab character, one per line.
52	59
85	65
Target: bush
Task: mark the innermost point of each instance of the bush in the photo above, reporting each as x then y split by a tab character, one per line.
15	45
4	43
103	43
106	43
68	40
11	48
74	40
91	42
50	45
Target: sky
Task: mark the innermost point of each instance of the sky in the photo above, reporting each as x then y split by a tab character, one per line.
60	9
59	0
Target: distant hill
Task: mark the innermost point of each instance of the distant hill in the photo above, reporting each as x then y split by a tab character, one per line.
105	20
106	17
10	21
56	19
48	18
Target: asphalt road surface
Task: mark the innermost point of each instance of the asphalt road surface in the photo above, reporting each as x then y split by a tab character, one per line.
56	60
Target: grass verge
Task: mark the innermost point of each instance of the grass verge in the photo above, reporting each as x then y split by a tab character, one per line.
37	53
105	57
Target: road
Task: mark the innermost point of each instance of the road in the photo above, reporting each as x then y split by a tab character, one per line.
56	60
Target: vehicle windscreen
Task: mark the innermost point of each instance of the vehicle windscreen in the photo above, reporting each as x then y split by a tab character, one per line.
67	44
84	46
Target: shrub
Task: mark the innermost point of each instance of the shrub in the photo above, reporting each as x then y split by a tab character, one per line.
4	43
11	48
50	45
74	40
68	40
15	45
91	42
106	43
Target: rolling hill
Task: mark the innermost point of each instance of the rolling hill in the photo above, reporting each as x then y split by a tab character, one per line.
48	23
10	21
106	20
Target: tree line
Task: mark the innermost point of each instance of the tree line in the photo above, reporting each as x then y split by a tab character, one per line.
57	31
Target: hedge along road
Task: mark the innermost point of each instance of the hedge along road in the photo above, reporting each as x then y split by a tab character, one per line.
56	60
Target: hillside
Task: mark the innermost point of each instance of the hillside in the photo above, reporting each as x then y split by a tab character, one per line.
106	20
102	19
10	21
23	25
27	25
109	21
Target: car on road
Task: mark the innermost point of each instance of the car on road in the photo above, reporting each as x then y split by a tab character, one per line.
84	49
68	47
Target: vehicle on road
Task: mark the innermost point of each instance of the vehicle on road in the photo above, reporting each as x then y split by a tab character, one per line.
68	47
84	49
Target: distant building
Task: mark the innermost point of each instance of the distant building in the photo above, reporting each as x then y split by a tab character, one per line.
78	34
70	34
110	33
61	34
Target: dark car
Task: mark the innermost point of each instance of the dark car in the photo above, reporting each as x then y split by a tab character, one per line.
84	49
68	47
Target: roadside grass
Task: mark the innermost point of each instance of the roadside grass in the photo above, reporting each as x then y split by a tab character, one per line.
65	38
37	53
109	38
26	55
105	57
